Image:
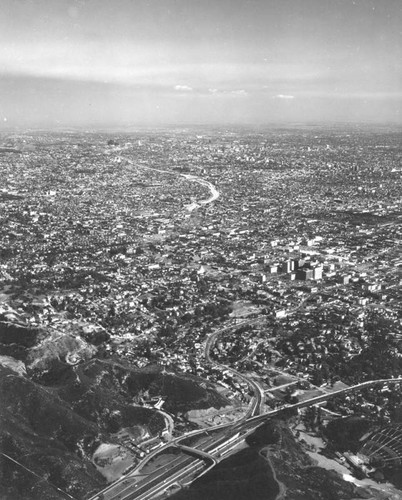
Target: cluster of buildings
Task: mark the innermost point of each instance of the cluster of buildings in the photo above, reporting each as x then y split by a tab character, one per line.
303	232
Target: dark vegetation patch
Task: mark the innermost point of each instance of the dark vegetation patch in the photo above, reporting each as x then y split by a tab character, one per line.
11	333
394	476
344	433
183	392
15	340
42	433
96	337
268	433
53	423
244	475
302	479
97	392
273	462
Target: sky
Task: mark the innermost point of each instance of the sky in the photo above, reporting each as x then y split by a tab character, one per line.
155	62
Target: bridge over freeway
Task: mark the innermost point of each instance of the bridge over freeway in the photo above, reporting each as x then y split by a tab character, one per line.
186	470
326	397
197	453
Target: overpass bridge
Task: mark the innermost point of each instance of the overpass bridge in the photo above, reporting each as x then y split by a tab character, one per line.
195	452
325	397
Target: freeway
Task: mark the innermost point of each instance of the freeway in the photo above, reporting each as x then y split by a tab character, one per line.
213	447
118	487
157	481
325	397
184	467
190	177
238	432
195	461
257	403
133	486
186	474
214	192
181	468
209	446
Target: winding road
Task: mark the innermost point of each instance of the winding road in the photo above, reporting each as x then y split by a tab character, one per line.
255	407
189	177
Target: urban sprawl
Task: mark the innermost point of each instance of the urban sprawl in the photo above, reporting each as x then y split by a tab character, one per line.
257	260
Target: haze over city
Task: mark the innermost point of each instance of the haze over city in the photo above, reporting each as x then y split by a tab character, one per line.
104	63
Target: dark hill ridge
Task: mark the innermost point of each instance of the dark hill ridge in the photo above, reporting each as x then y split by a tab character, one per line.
95	390
53	424
99	380
39	430
183	392
40	410
16	339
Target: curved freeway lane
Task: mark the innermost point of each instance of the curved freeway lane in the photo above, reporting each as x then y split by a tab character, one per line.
258	393
184	467
189	177
325	397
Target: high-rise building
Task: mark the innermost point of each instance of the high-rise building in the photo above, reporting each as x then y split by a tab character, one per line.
304	274
317	273
298	263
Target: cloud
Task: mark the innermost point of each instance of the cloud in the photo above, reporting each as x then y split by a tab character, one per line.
284	96
225	92
239	92
183	88
125	63
374	95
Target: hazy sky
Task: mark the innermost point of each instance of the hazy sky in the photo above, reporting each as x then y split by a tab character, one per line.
111	62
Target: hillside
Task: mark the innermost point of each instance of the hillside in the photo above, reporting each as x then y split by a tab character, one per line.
53	424
272	464
44	434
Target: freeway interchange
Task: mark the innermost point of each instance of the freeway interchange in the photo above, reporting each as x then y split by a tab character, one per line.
195	453
214	445
183	459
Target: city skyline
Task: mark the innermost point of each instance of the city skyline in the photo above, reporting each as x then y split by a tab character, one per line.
107	63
